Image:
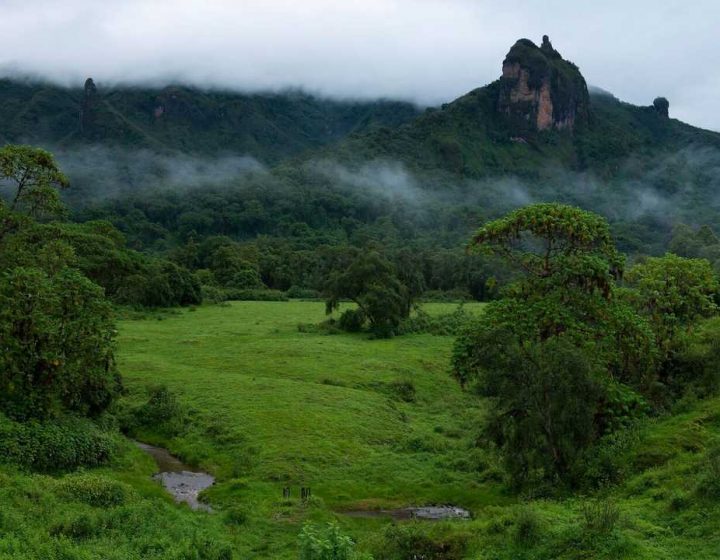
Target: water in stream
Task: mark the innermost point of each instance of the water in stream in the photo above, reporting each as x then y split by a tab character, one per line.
182	481
427	513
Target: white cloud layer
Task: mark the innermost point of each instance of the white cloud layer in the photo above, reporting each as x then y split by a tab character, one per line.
428	51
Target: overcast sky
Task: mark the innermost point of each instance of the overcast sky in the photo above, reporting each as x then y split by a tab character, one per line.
428	51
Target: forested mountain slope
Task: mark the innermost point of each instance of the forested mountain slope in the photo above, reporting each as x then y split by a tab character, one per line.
183	119
538	114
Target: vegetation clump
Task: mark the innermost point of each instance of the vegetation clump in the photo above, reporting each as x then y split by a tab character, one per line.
566	357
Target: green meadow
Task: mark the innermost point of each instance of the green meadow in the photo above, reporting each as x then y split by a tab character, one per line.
364	423
367	425
272	406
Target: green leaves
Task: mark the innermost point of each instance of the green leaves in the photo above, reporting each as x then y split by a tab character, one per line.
57	345
555	245
373	284
35	178
560	356
326	543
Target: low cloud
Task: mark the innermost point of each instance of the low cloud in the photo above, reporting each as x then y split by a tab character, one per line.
427	51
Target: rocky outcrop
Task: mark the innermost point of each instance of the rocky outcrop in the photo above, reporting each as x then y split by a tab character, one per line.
662	106
88	108
539	90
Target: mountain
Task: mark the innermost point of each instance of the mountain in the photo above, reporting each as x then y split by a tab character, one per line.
538	114
179	119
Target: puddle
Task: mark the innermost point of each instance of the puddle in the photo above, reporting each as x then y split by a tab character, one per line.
426	513
182	481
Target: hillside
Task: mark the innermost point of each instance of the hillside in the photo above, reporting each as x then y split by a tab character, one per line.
179	119
538	114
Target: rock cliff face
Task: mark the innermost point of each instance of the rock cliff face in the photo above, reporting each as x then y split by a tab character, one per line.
88	108
541	89
662	106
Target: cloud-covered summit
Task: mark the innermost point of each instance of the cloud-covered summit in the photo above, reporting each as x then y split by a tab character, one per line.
428	51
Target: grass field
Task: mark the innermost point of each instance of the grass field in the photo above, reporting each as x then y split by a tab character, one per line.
366	424
276	407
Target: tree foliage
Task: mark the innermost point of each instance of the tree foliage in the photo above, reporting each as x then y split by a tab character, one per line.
33	177
57	345
552	353
372	283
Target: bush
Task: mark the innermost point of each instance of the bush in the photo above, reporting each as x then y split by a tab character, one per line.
600	516
254	295
76	527
447	324
326	543
709	483
296	292
236	516
446	296
527	526
57	343
162	413
352	320
93	490
416	540
403	390
64	444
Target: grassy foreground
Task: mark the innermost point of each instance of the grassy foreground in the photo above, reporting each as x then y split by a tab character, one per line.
364	423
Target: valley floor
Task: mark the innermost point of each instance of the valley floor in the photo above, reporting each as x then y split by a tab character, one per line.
366	424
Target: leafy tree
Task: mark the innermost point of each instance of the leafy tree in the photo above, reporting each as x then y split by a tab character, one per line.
34	177
550	354
673	292
556	246
57	345
372	282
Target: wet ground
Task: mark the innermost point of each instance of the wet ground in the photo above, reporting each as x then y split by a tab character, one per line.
182	481
427	513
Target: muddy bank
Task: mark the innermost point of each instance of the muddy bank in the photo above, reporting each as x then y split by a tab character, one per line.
183	482
426	513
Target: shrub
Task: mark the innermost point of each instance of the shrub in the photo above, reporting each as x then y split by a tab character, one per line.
76	527
709	483
600	516
326	543
57	345
415	540
255	295
527	525
352	320
66	443
403	390
447	324
236	516
162	413
296	292
93	490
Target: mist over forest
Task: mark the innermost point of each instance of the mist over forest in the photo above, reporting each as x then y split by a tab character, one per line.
240	321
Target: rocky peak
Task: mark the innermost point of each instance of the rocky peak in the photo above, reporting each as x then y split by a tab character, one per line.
540	90
662	106
88	107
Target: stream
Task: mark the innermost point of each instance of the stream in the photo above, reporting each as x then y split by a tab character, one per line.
427	513
183	482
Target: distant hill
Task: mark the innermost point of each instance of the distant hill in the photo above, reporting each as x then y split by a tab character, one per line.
182	119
